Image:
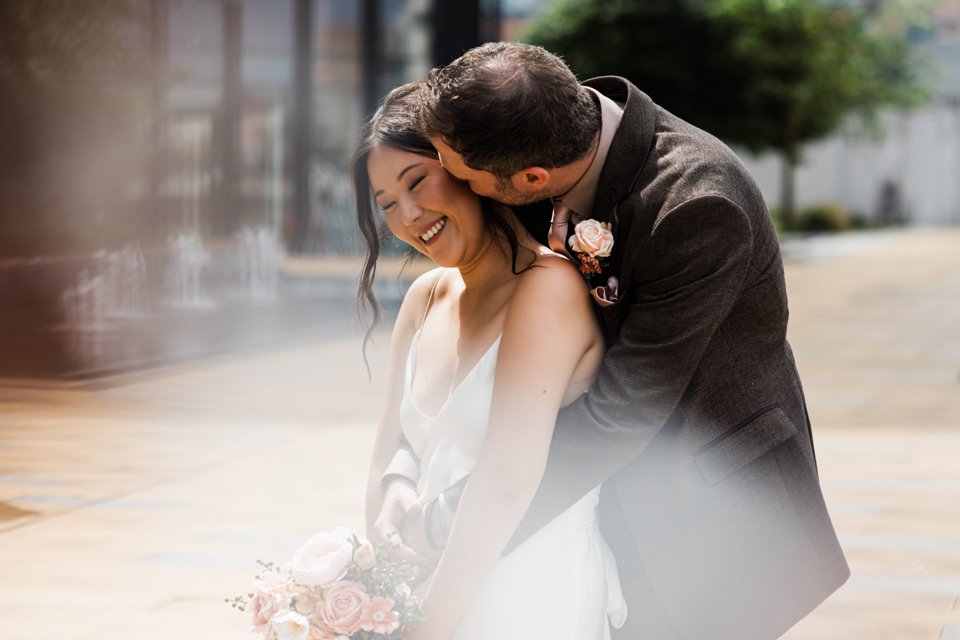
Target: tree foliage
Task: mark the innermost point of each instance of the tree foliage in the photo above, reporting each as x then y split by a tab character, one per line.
764	74
760	74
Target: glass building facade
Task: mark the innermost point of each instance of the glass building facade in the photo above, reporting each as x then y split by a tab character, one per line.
264	100
264	103
162	159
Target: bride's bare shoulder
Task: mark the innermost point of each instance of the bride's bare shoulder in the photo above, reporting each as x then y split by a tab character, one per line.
552	279
551	305
421	287
418	295
550	265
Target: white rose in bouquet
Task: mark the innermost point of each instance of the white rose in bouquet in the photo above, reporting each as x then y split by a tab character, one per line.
324	559
290	625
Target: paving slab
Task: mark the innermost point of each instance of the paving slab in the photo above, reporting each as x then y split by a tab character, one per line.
131	508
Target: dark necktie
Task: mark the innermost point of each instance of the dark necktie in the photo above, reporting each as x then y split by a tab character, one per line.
557	238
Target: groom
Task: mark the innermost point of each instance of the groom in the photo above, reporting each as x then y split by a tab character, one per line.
696	425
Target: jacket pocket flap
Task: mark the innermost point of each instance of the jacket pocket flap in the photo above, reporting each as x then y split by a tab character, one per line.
741	446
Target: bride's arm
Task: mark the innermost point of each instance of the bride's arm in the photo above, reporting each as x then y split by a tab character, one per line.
388	437
550	338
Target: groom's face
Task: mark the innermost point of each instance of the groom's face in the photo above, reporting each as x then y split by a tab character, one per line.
482	183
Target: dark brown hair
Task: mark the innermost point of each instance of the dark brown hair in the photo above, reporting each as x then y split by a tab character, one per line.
396	124
504	106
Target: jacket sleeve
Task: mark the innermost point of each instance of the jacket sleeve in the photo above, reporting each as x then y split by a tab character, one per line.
686	277
404	465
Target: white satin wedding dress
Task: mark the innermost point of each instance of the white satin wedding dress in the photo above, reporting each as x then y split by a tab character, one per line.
561	583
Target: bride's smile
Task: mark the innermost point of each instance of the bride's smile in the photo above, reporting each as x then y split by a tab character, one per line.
433	231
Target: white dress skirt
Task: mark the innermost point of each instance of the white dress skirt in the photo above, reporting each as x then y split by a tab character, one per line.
560	583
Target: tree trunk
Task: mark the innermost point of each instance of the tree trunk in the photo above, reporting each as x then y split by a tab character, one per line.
788	205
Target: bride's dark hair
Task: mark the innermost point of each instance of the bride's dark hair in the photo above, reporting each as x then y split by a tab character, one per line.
396	124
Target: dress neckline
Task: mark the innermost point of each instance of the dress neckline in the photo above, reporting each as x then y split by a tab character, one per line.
411	372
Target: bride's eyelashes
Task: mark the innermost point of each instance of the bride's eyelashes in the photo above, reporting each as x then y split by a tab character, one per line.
410	187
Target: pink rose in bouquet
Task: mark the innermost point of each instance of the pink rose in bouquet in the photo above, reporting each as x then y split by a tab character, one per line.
339	586
365	556
343	607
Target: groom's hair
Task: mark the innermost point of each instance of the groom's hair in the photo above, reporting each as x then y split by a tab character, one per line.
504	106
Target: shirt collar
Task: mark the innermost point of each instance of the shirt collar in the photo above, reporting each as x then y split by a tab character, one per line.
581	196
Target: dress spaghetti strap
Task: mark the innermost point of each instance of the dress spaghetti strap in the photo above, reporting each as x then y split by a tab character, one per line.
426	309
415	342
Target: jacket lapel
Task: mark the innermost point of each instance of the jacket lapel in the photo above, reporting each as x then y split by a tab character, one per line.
630	146
628	155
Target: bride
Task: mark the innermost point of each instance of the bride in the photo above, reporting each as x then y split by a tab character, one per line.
485	351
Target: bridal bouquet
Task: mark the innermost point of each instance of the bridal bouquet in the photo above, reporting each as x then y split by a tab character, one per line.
338	587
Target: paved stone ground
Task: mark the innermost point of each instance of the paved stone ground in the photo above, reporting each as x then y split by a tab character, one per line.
877	338
130	509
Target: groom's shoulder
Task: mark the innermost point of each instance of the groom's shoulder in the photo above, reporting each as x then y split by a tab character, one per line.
667	143
686	144
672	159
692	162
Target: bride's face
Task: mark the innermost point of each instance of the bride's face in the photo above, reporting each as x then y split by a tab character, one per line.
425	207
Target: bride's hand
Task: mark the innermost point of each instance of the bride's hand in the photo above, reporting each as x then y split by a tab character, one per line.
400	506
414	534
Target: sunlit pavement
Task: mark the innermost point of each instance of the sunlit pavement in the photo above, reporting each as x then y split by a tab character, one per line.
132	508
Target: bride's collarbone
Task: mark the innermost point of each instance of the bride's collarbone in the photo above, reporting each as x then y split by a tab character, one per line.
456	347
448	351
469	314
443	364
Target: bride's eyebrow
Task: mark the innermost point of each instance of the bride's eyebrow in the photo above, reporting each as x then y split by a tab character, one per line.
400	175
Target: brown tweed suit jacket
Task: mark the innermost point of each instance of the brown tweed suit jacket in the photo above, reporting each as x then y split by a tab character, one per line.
697	425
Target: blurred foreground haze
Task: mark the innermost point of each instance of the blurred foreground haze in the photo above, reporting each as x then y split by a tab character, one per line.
182	388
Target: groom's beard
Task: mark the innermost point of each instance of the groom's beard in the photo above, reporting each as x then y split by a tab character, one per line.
507	194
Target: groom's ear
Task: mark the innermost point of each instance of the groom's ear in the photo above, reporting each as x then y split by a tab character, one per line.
531	179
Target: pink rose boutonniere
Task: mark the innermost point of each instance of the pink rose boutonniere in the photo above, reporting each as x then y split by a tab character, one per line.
591	238
592	244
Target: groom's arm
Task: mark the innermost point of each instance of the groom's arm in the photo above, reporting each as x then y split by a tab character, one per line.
399	482
688	278
403	467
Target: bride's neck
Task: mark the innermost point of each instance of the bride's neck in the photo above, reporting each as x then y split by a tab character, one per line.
496	263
